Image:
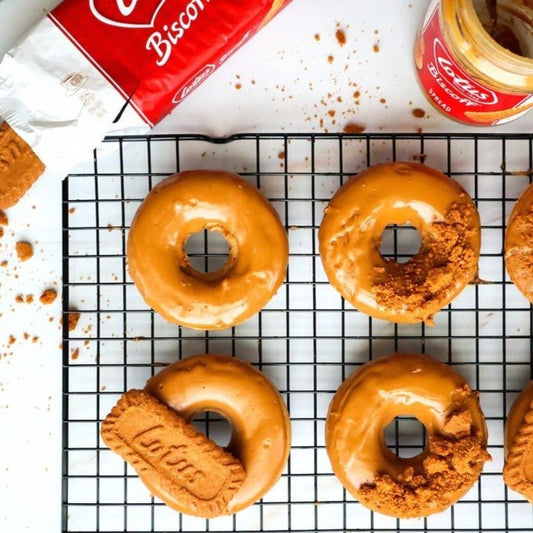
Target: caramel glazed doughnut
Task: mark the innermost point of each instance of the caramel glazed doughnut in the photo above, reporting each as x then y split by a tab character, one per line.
190	202
519	244
400	193
518	468
260	422
419	386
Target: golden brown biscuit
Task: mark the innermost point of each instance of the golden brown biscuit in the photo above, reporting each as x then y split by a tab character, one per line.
19	167
182	467
518	469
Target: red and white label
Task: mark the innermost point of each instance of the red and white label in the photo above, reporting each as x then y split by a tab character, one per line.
155	52
452	89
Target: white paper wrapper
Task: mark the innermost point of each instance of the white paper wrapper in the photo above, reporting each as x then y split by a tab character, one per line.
57	101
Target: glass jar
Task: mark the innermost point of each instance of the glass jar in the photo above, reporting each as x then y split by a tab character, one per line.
475	64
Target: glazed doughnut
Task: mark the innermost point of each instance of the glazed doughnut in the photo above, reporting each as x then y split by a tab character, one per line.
260	423
400	193
187	203
419	386
519	244
518	469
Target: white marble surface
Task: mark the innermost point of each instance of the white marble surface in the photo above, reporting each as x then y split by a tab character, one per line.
281	81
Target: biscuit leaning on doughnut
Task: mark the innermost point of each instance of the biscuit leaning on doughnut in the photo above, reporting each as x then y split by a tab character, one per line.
190	202
518	468
183	468
400	193
418	386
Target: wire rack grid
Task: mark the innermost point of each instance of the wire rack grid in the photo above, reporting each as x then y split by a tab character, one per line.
307	340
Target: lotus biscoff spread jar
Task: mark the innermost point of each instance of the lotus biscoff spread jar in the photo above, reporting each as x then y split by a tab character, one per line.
474	59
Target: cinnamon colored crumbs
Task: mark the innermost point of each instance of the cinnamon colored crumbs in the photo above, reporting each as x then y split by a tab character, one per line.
452	463
3	219
431	275
353	127
73	319
48	296
418	113
24	250
341	37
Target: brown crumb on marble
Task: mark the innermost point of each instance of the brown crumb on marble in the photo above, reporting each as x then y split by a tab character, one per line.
75	353
330	59
238	86
376	48
341	37
73	319
29	298
4	221
353	127
4	263
48	296
1	232
12	340
418	112
317	37
281	155
72	210
24	250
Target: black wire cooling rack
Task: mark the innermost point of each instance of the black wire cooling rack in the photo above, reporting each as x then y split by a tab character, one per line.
307	339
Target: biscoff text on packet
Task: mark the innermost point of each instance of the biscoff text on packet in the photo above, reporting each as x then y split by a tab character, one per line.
95	66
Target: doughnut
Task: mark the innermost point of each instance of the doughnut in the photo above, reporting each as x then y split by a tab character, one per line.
410	385
400	193
260	423
185	469
519	244
187	203
518	449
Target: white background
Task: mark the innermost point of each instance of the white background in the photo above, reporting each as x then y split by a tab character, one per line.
286	84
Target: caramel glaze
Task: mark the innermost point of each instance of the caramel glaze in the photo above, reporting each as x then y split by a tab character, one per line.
350	234
518	469
519	244
260	422
381	390
190	202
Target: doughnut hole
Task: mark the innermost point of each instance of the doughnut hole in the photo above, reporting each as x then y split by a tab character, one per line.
210	253
405	437
400	242
214	426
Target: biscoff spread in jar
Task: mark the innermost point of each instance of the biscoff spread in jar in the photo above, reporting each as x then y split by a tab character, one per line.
474	59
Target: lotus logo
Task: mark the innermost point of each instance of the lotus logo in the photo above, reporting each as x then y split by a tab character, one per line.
126	13
457	81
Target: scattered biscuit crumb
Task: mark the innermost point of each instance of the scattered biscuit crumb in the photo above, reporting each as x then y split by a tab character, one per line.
418	113
317	37
353	127
48	296
376	48
330	59
341	37
24	250
72	210
3	263
73	319
75	354
281	155
3	219
12	340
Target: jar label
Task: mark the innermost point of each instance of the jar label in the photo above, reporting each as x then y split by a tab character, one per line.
155	52
452	90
